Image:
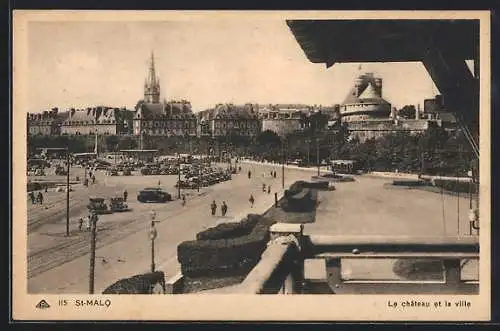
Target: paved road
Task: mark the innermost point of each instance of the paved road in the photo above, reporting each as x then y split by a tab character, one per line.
367	208
59	264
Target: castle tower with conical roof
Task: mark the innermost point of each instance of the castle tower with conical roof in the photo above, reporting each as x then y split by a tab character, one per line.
152	84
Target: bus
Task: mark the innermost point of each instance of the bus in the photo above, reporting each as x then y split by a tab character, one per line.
344	166
83	158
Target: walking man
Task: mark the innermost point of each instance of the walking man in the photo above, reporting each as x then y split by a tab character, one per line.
251	200
224	208
125	195
249	174
40	197
268	189
80	224
213	207
32	197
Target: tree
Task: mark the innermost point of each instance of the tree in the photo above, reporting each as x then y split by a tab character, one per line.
111	142
407	112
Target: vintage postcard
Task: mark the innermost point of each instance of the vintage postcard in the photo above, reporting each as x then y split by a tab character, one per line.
251	165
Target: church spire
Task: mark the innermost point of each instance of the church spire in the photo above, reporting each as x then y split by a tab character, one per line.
152	84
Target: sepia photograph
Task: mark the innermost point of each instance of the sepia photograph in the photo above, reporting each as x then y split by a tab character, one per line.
251	165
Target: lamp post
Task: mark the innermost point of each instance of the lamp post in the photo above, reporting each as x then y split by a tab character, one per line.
308	141
67	191
283	164
152	236
93	233
317	154
178	176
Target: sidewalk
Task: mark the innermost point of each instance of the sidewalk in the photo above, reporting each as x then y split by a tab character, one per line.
323	169
263	202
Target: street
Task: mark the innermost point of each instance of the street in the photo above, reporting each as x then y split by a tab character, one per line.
59	264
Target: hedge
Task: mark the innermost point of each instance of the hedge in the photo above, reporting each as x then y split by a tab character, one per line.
139	284
455	186
304	201
409	183
230	230
232	256
319	185
294	188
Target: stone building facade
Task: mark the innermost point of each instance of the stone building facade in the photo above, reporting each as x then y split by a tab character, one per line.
228	119
284	119
155	118
101	120
174	118
46	123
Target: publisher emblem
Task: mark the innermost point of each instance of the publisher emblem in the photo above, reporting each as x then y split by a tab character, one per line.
42	305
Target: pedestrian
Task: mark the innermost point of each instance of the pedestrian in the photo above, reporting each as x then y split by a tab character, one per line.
80	224
249	174
125	195
32	197
90	174
251	200
264	187
46	189
271	174
183	199
213	207
40	197
224	208
274	175
268	189
93	179
89	222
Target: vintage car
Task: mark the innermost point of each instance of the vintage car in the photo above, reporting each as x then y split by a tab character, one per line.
98	205
117	204
112	172
60	171
153	195
127	171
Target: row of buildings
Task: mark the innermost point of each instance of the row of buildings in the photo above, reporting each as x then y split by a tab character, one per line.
364	109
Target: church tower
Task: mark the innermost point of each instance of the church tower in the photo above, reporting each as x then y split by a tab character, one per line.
152	84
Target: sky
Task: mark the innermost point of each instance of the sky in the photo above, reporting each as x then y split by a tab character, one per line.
83	64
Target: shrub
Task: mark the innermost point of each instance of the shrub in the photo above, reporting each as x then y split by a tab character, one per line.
304	201
229	230
455	186
409	183
319	185
139	284
233	256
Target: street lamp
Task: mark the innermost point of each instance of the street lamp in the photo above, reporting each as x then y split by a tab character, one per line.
317	154
93	233
283	164
178	176
153	233
308	141
67	191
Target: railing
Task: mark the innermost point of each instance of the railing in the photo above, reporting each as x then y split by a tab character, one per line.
282	267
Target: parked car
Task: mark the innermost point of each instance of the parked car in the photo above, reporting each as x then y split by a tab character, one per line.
153	195
98	205
117	204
